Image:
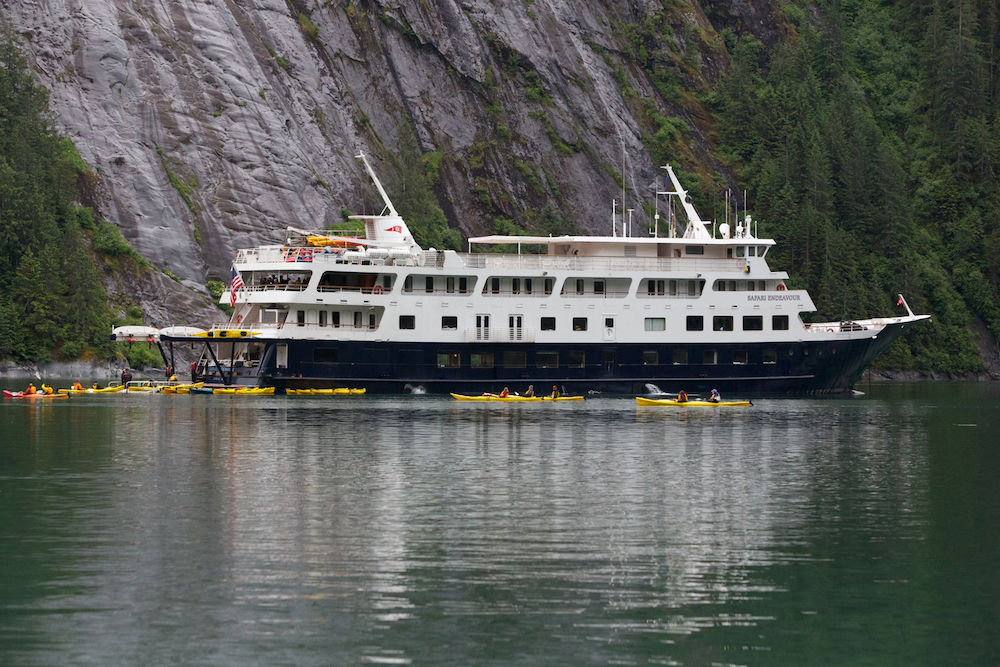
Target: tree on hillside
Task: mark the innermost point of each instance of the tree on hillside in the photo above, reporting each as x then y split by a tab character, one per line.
51	299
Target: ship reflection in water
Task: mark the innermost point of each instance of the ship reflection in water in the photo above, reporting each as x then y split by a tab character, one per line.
418	529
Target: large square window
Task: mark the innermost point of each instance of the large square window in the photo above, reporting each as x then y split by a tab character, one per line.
547	359
695	323
650	358
579	324
548	324
753	323
449	322
449	360
779	322
407	322
722	323
481	360
514	359
656	324
576	359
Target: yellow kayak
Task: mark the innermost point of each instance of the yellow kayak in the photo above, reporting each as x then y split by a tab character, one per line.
245	391
181	388
227	333
339	391
514	399
690	404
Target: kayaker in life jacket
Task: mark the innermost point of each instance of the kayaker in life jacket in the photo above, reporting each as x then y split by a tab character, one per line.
505	393
77	386
530	391
715	398
682	397
555	392
30	390
46	389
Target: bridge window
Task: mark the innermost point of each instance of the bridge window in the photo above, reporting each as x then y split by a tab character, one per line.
779	322
753	323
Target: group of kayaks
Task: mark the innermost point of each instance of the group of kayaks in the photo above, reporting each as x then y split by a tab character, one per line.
200	388
153	387
640	400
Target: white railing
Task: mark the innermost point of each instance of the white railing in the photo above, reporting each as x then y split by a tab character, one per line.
529	263
595	265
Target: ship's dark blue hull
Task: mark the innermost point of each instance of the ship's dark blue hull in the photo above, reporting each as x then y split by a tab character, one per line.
616	368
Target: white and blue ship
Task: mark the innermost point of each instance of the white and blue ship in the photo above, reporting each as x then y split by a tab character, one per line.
693	309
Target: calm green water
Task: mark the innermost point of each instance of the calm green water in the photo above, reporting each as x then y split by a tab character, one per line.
316	531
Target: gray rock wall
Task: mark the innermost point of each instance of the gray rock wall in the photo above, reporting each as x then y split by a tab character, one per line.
214	124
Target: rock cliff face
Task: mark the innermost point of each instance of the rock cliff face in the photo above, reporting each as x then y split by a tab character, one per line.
214	124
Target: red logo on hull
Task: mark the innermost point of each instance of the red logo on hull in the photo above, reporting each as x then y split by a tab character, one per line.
397	229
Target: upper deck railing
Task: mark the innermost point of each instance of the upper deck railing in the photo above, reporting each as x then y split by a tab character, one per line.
329	257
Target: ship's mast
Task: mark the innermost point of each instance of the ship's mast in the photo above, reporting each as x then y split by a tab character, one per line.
696	226
378	184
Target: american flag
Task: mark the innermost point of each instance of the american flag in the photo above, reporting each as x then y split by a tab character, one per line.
234	285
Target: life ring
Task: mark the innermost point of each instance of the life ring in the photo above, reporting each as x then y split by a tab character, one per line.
829	330
305	255
377	289
780	287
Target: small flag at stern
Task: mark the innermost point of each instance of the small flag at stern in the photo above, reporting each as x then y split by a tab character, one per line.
234	285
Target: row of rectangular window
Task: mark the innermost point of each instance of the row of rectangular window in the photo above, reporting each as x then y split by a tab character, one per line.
572	359
693	322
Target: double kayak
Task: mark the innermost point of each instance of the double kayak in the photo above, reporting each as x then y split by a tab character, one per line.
36	395
243	391
113	389
339	391
690	403
181	388
514	399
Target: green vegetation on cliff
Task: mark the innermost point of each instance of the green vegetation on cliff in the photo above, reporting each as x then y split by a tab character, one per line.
51	298
868	137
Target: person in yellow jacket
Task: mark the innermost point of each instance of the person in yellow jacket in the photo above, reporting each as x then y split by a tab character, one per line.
77	386
46	389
